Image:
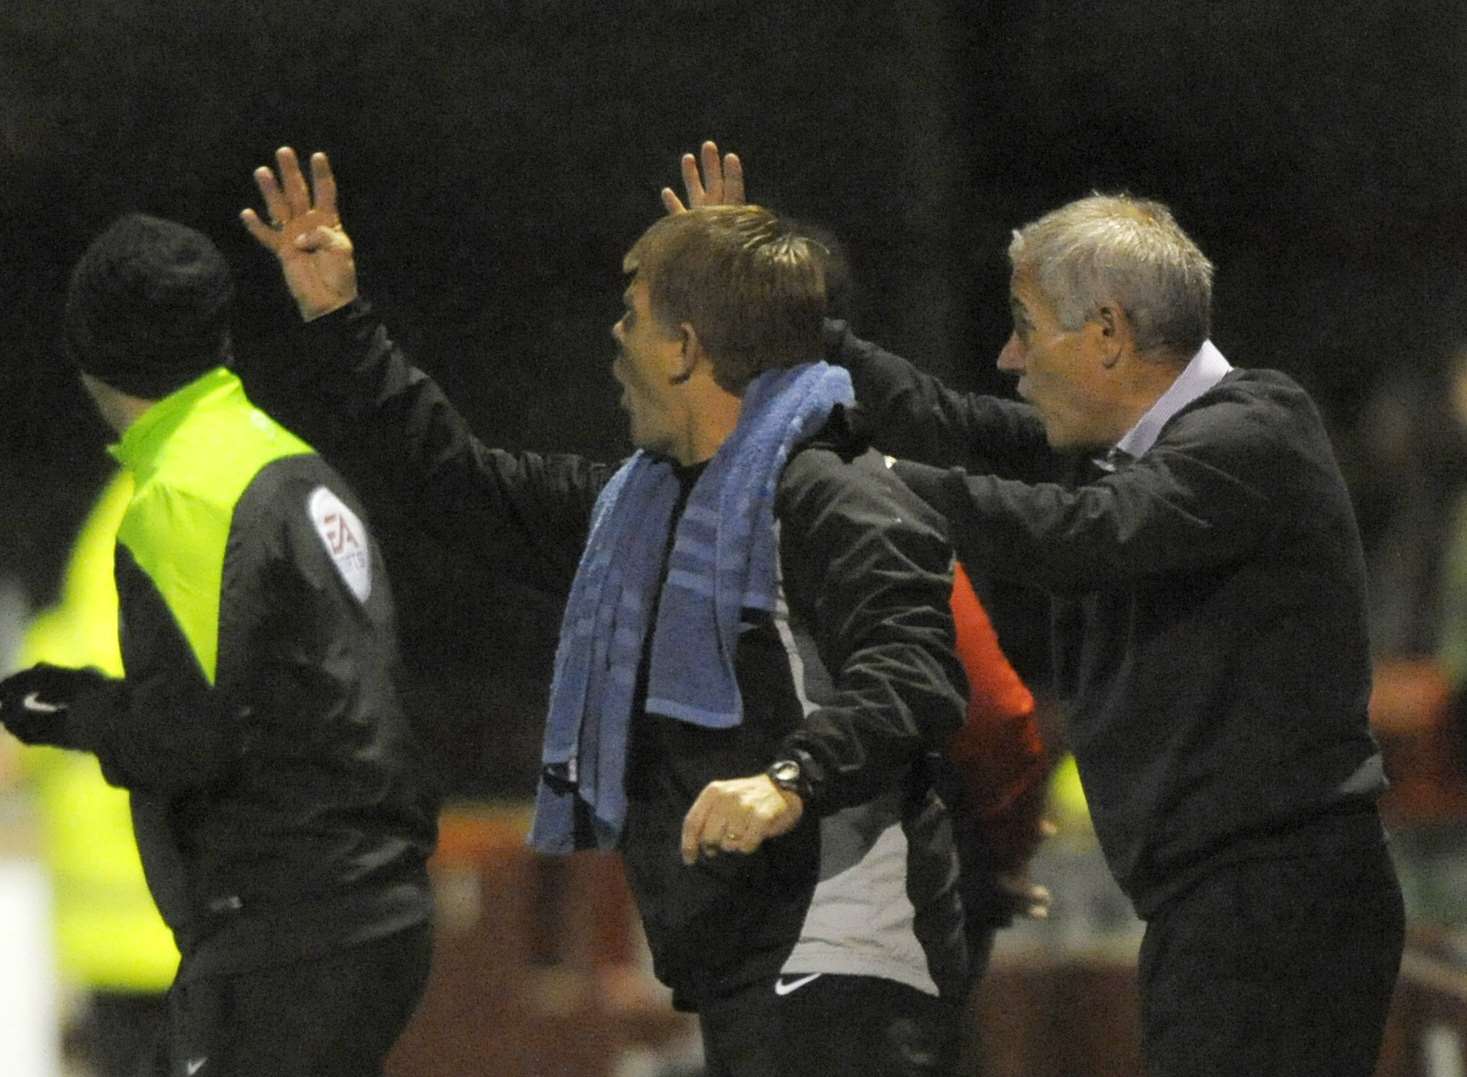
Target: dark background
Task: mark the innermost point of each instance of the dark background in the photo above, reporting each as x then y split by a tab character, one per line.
497	158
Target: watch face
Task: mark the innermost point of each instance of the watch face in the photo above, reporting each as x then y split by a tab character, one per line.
786	770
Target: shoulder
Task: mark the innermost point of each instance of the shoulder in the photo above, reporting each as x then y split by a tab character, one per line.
1260	397
1249	412
1256	431
217	455
823	488
168	510
300	517
298	492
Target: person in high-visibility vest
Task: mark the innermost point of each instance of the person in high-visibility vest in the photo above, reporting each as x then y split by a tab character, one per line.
110	940
282	808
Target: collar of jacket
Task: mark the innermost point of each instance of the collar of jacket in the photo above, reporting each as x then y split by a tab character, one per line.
144	439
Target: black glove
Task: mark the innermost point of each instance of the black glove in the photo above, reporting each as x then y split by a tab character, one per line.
36	703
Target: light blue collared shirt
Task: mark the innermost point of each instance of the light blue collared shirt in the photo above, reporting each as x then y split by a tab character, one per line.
1202	372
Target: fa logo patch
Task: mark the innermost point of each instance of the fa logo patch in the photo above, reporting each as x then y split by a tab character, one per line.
345	540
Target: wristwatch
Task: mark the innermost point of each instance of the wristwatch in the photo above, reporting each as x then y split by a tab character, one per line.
787	774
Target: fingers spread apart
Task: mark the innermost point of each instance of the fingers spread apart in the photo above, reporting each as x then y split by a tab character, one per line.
296	210
708	180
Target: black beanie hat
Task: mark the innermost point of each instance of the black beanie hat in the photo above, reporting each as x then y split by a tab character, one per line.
148	307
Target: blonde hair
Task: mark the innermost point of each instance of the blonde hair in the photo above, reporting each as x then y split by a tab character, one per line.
750	285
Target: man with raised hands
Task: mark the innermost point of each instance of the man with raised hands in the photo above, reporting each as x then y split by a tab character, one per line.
756	662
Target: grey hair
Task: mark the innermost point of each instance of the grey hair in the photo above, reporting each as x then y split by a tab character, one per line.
1125	250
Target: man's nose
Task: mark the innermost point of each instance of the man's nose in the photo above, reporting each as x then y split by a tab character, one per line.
1011	355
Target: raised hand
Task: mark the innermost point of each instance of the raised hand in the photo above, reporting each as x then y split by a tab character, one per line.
305	233
721	182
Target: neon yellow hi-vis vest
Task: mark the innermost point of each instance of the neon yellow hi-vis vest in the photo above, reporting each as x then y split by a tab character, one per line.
177	527
109	935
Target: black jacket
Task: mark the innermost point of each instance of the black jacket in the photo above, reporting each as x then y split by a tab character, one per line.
1209	610
279	798
855	675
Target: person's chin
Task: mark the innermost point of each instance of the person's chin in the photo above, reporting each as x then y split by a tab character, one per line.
641	441
1056	436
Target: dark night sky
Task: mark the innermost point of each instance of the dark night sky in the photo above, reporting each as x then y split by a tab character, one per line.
496	159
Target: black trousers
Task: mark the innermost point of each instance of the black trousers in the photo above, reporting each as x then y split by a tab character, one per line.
334	1016
841	1026
1274	967
120	1029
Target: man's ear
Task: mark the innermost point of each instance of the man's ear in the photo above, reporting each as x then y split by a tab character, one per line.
690	354
1113	332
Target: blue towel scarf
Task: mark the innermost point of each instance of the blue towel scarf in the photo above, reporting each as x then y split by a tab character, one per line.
722	563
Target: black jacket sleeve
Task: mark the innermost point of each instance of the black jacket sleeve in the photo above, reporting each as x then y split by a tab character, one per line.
368	411
163	729
912	415
868	569
1206	495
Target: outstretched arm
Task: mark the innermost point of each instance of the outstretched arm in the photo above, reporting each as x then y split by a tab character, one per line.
304	232
370	412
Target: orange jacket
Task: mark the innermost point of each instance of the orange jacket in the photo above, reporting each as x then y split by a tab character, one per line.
998	751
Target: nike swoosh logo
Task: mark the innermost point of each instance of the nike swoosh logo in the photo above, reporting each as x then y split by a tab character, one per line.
784	987
33	703
193	1065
